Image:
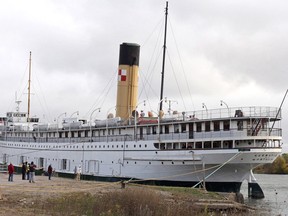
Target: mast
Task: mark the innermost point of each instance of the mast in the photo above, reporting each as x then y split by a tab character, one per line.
164	55
29	89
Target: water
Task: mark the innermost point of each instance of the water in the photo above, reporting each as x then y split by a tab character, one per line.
275	188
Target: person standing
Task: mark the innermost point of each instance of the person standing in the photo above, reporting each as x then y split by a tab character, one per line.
50	170
23	171
32	172
28	171
11	172
78	173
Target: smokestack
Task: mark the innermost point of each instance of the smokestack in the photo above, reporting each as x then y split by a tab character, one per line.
127	91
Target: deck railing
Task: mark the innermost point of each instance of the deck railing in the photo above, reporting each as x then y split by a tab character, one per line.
267	112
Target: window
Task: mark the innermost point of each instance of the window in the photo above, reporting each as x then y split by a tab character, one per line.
166	129
198	127
183	128
198	145
207	126
226	125
240	125
217	144
148	130
176	128
154	130
216	126
207	144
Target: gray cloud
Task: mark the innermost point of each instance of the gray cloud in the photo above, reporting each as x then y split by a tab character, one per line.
225	47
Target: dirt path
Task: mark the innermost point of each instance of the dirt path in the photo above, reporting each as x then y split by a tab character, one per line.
17	195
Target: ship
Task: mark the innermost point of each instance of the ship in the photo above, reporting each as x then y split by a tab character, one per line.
216	149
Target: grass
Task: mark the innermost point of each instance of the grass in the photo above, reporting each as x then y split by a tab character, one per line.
127	202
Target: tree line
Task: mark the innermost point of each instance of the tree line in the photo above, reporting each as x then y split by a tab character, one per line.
279	166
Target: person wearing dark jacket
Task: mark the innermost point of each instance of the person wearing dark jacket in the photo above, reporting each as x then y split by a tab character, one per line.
10	172
50	170
32	172
23	171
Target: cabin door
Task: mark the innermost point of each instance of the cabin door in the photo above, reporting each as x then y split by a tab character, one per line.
92	166
5	158
191	135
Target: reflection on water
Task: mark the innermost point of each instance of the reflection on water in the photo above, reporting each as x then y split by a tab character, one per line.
275	188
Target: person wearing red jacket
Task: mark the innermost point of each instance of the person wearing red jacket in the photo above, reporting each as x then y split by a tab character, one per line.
10	172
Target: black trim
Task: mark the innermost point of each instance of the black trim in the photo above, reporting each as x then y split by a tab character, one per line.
129	54
210	186
255	191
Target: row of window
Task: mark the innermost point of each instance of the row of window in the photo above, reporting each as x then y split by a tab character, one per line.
178	128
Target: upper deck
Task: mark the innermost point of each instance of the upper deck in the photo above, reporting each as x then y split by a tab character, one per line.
233	112
217	125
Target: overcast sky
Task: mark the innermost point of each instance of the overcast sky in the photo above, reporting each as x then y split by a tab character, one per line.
235	51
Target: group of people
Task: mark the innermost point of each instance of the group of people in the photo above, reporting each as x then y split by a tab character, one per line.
28	171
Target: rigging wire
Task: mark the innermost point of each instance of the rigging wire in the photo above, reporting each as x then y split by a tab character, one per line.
181	63
206	177
43	95
175	77
151	68
101	99
22	92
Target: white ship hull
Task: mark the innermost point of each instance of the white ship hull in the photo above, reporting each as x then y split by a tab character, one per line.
141	161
